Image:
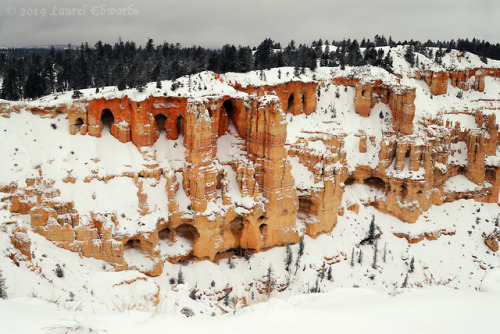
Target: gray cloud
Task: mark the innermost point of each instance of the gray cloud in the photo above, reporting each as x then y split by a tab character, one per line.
212	23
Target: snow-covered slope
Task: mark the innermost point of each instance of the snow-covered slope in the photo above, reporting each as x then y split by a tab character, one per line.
353	279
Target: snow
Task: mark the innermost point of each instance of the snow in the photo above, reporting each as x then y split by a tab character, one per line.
427	311
491	281
304	179
458	154
137	259
460	183
369	282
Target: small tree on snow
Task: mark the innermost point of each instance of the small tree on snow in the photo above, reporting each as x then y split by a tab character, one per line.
322	271
59	271
300	253
371	233
3	287
412	264
180	277
301	247
289	257
269	280
329	274
375	251
385	253
227	291
405	282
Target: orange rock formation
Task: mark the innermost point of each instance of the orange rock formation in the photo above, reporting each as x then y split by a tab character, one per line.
411	172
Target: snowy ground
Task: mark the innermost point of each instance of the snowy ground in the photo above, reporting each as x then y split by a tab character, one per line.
436	310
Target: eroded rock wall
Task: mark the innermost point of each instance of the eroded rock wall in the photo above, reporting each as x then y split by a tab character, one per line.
265	208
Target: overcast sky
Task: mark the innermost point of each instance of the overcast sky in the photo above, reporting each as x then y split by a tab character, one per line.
213	23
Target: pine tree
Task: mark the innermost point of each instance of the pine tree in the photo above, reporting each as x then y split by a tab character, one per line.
329	274
3	286
121	83
412	264
301	247
227	291
375	251
322	271
385	253
371	232
263	54
289	257
360	258
10	85
180	277
405	282
192	294
140	83
352	258
269	280
410	56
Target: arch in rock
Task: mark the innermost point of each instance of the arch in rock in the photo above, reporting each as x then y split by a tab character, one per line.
166	234
180	125
132	243
226	116
305	204
290	104
78	124
236	226
263	230
107	119
188	232
160	120
349	181
375	182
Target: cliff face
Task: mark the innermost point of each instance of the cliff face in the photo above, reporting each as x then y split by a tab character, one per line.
251	202
463	79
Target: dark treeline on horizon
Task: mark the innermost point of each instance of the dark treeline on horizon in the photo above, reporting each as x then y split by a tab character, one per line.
29	73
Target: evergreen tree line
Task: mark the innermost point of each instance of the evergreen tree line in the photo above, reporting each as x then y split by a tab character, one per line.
29	73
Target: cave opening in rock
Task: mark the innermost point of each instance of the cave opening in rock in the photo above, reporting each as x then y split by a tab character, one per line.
160	120
107	119
404	190
180	125
166	234
263	230
78	124
349	181
375	182
305	204
226	116
188	232
291	100
236	226
303	99
228	107
132	243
